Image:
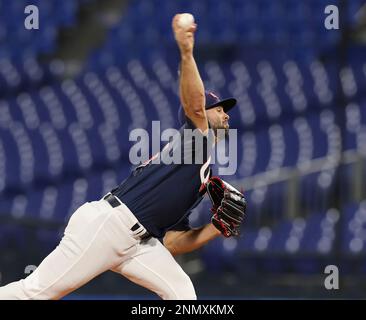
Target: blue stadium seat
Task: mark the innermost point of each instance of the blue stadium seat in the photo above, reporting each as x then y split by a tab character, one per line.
66	142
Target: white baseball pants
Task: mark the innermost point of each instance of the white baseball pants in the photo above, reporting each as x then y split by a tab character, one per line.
99	238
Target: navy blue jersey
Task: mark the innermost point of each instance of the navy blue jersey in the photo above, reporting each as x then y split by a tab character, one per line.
161	196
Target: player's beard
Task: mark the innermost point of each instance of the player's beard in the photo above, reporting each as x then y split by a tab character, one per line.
218	126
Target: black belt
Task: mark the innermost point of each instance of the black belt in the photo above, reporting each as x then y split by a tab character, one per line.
114	202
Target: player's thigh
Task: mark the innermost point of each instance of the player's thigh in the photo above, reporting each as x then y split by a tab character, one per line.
94	241
154	268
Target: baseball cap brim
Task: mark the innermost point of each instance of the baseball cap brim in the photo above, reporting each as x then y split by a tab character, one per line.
227	104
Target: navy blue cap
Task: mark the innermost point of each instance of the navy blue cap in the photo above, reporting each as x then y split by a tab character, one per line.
212	101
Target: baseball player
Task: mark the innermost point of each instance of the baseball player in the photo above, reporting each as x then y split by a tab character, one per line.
121	231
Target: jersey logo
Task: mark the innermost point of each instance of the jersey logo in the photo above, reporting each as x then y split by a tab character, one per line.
204	178
144	164
214	96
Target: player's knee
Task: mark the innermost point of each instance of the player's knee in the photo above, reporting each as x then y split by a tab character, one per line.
45	291
59	290
187	295
183	290
16	291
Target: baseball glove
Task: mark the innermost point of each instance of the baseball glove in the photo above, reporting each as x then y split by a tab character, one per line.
228	206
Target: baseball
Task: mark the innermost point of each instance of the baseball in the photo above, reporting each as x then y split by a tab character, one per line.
185	20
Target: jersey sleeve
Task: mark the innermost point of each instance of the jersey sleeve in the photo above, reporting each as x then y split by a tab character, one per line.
187	123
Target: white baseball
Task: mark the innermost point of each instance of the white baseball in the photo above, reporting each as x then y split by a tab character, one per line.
185	20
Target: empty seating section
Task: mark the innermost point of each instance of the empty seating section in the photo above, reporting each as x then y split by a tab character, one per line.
20	68
66	142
